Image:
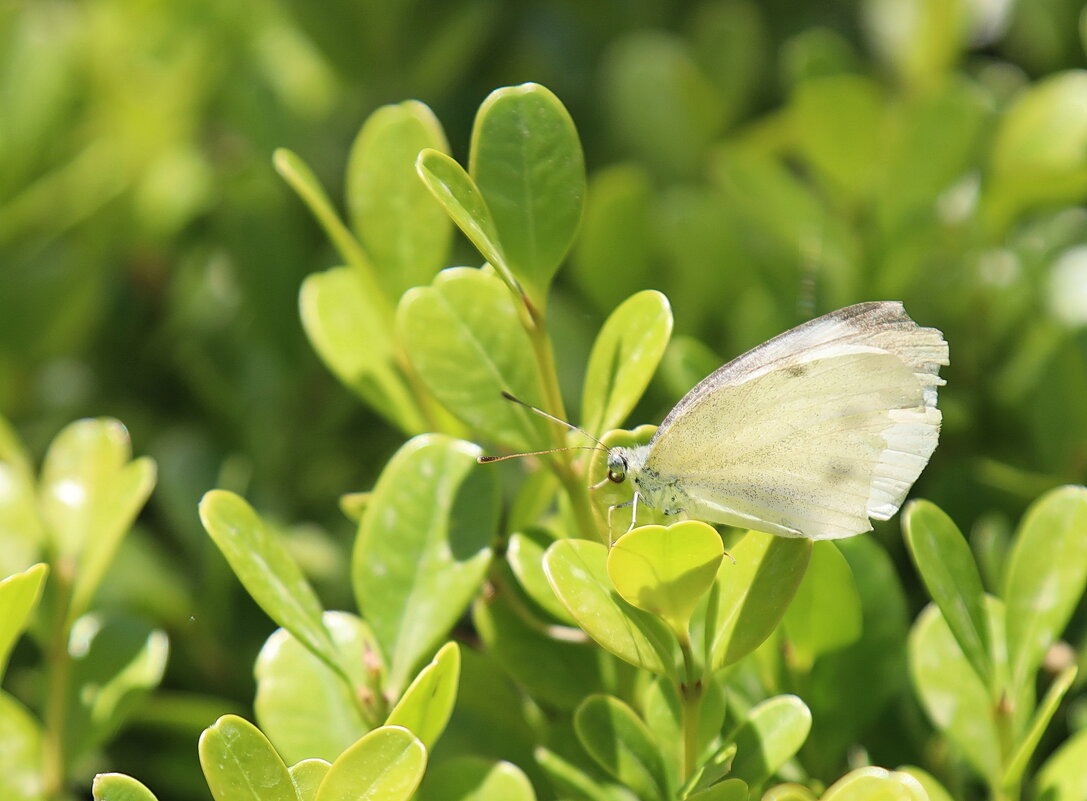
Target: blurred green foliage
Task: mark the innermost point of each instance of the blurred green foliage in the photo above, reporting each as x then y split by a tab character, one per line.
756	162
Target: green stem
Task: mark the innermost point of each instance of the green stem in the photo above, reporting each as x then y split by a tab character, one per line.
1003	716
59	675
690	693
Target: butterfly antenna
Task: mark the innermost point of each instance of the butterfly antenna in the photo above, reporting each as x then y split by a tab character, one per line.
489	459
553	419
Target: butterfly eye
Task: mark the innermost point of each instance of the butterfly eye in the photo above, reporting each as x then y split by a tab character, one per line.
617	476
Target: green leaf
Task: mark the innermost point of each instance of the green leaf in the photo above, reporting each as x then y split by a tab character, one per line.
346	327
825	614
950	690
933	789
789	792
875	784
426	705
307	776
304	706
1062	777
461	198
756	591
569	780
946	564
921	42
405	232
423	548
553	671
617	740
524	554
22	533
526	159
465	338
385	765
119	787
728	790
577	570
624	357
474	779
666	571
268	572
90	495
661	709
19	596
21	776
115	662
1013	773
1045	578
240	764
770	735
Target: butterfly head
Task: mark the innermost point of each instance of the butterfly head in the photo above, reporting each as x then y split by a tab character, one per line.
617	465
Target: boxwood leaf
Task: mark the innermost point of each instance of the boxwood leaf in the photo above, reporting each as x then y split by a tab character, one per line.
825	614
307	776
90	494
19	596
405	232
21	530
624	357
770	735
789	792
1062	776
875	784
666	571
386	764
1045	578
465	338
423	548
119	787
728	790
620	743
268	572
304	706
1013	773
755	591
353	336
524	554
240	764
946	564
526	159
569	780
933	789
21	776
577	570
473	779
426	705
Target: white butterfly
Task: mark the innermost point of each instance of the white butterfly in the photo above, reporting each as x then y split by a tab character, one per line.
810	434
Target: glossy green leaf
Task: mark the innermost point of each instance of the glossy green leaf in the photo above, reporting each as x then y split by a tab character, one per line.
837	123
524	554
240	764
950	690
465	338
920	42
616	236
569	780
946	564
756	590
267	571
825	614
933	789
770	735
1062	776
1013	772
90	494
305	707
464	203
875	784
19	596
789	792
624	357
728	790
423	548
554	672
1045	577
115	662
577	570
661	709
352	335
620	743
21	776
405	232
119	787
666	571
426	705
526	159
475	779
307	776
385	765
22	534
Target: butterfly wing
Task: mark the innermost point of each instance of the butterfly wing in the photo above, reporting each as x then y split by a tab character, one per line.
813	432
